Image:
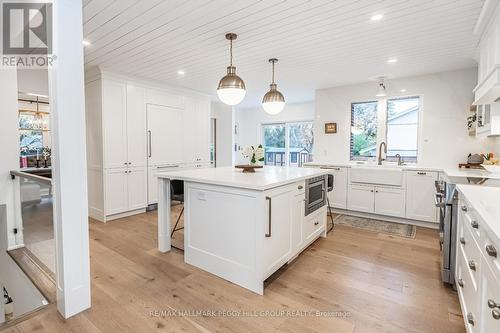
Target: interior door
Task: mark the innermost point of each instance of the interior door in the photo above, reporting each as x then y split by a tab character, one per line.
164	135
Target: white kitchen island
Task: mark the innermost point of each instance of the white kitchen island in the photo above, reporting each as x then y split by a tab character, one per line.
242	226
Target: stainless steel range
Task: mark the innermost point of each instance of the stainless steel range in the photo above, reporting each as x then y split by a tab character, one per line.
446	199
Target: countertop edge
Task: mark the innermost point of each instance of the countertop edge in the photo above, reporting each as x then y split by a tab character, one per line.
466	190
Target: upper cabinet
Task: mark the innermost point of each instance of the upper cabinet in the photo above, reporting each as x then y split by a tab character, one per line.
488	29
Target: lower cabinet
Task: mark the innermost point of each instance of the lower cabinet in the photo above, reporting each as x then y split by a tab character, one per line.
420	189
277	244
361	198
390	201
338	196
298	221
380	200
125	190
477	272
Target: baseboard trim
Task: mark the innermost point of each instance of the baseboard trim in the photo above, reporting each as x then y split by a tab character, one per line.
124	214
401	220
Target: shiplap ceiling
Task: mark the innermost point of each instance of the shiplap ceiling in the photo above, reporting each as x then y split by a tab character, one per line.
319	43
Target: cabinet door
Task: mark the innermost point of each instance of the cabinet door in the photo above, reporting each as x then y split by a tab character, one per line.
136	126
165	135
277	243
390	201
116	191
137	188
490	286
338	197
361	198
202	136
114	124
420	191
298	222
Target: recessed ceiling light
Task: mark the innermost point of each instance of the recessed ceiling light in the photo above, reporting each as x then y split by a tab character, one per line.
392	60
85	42
181	72
377	17
403	90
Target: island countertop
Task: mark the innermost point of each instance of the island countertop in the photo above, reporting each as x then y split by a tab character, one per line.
263	179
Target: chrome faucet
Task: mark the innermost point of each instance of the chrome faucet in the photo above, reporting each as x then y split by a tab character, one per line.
400	159
380	159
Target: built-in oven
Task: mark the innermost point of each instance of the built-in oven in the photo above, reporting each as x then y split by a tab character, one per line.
315	194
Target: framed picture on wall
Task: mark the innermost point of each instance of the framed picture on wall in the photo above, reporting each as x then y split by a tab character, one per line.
330	128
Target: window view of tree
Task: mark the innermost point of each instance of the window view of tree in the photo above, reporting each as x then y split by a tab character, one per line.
363	130
288	144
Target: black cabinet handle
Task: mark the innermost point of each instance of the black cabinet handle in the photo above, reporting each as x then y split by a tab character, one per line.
269	226
464	208
474	224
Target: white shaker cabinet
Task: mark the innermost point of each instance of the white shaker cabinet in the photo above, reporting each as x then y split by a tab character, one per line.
420	189
361	198
114	123
390	201
277	244
136	122
136	188
116	196
197	131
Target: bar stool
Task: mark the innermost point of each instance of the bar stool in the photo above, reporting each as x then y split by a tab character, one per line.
329	188
177	194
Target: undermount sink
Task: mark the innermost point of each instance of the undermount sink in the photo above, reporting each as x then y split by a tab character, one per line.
379	175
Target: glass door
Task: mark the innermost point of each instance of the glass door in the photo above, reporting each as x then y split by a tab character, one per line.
274	144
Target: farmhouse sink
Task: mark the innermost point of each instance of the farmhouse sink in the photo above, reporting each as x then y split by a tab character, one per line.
377	175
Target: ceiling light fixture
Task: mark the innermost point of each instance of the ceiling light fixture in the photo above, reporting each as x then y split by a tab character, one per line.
85	42
273	101
392	60
377	17
381	88
231	89
181	72
403	90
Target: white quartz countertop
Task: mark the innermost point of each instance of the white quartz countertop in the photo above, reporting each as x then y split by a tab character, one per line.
263	179
471	173
372	165
485	201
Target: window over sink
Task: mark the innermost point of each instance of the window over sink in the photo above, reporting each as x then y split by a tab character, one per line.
400	129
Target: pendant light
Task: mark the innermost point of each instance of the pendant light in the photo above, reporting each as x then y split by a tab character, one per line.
273	101
381	88
231	90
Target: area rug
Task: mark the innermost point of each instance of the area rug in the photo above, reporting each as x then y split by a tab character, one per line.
390	228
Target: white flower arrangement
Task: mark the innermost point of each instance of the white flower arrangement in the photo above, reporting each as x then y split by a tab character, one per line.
254	154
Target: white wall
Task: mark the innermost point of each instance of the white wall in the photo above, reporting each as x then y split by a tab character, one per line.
224	133
445	101
249	121
9	147
33	81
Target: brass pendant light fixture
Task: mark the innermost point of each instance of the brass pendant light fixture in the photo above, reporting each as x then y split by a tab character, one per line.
231	90
273	101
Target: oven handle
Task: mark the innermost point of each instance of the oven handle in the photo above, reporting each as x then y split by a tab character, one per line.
270	221
438	200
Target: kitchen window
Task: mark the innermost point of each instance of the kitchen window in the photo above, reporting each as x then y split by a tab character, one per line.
400	128
288	144
363	131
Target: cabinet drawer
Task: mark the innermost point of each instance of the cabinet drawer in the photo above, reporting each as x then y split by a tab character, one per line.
467	293
300	187
471	221
472	255
490	302
491	253
313	224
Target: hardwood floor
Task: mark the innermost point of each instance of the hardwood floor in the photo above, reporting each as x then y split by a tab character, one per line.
374	282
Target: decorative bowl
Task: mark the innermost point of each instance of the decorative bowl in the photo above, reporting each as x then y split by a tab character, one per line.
492	168
248	167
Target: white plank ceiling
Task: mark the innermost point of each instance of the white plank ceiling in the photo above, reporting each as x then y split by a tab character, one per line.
319	43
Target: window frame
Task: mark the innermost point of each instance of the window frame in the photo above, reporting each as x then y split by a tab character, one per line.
382	128
287	125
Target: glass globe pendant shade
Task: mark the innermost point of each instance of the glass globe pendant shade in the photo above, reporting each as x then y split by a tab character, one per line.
231	90
273	101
